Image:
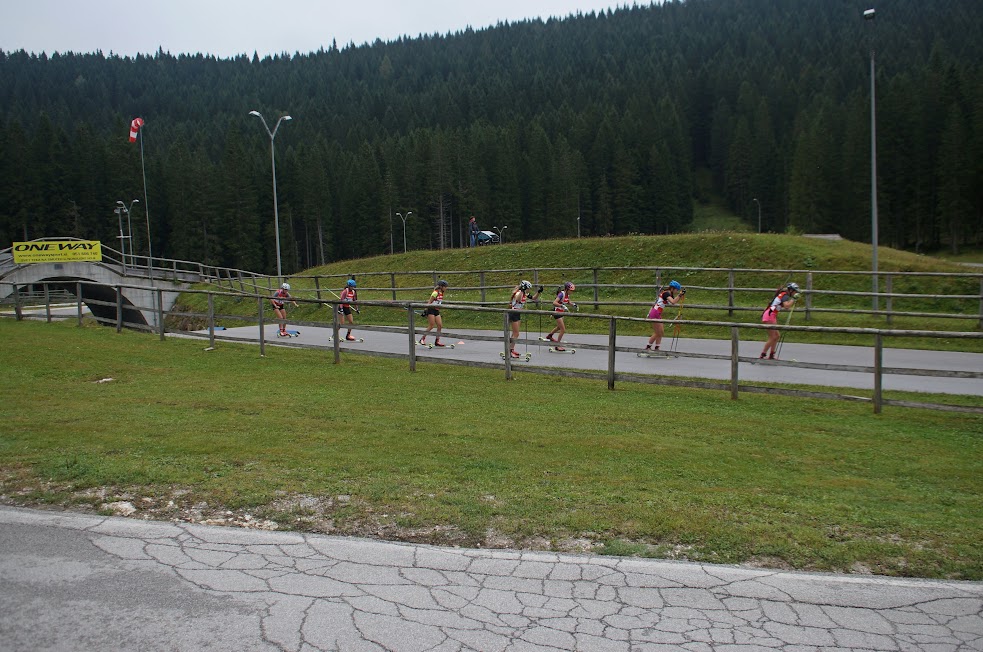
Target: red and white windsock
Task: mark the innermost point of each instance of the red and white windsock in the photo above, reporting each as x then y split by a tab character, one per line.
135	129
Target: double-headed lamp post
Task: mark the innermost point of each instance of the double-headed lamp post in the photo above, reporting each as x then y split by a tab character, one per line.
869	16
276	210
759	213
501	233
129	224
404	218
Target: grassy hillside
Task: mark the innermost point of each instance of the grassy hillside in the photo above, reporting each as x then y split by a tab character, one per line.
415	272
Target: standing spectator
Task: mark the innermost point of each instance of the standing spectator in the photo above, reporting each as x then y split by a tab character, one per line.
280	297
473	230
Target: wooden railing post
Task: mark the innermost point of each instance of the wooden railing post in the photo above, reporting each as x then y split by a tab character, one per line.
808	295
317	287
47	302
335	333
507	356
160	312
78	298
595	290
411	315
119	309
730	293
18	308
888	301
481	281
392	283
878	368
211	320
612	341
262	334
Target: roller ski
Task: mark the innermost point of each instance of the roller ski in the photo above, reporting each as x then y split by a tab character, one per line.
525	357
546	339
560	349
287	333
439	345
653	353
354	340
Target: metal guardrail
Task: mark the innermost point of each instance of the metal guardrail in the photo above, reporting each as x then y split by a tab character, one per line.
612	375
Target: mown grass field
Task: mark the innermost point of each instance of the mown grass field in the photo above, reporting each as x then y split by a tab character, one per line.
459	456
718	250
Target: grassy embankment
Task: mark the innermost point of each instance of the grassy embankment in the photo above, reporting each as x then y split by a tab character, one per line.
722	250
458	456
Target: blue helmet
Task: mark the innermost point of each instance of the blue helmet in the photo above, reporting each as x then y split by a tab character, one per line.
351	282
675	285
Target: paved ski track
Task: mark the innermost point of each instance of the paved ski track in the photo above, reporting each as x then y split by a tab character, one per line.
82	582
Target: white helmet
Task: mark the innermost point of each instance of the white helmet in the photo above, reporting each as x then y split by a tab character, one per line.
525	285
285	286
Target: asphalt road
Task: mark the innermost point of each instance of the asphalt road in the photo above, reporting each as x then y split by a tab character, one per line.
80	582
629	362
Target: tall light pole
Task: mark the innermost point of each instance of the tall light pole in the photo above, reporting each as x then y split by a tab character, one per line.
404	218
391	231
578	225
869	16
501	233
129	224
122	242
759	213
276	209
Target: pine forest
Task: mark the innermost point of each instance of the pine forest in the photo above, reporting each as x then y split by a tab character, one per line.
611	123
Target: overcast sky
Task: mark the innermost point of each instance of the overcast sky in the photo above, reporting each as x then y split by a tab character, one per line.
226	28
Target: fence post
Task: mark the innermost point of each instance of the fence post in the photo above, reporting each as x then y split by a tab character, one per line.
730	293
211	320
47	303
878	360
336	340
808	296
78	298
734	361
160	312
612	339
595	290
535	282
262	335
888	303
481	281
392	283
18	309
119	309
411	314
507	356
317	287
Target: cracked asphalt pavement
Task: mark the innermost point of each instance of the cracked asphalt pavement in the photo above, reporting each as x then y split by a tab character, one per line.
81	582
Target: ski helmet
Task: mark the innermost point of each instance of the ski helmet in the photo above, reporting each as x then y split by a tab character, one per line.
675	285
569	286
351	282
525	285
285	286
794	287
442	283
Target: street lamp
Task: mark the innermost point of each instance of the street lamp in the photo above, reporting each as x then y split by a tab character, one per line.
759	213
501	233
129	225
276	210
578	226
122	242
869	16
404	218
